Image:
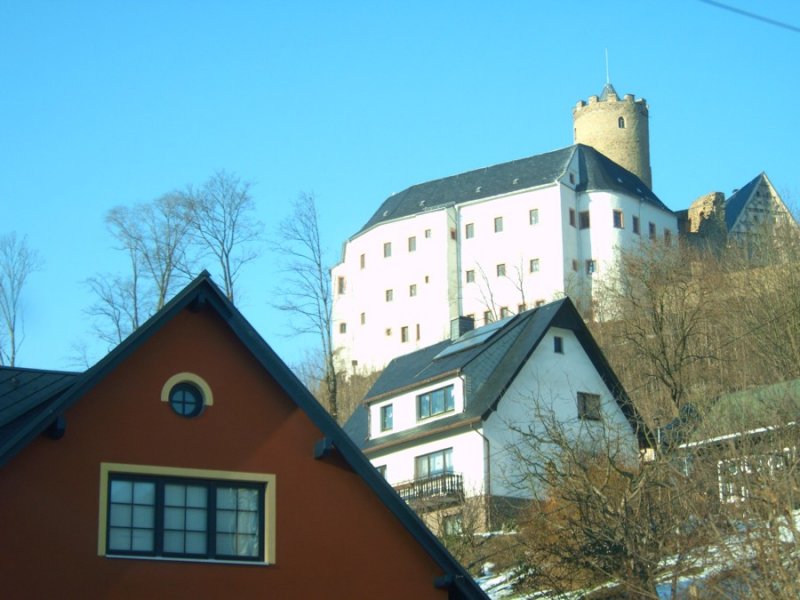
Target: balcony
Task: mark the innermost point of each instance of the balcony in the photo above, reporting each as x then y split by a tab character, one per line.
433	492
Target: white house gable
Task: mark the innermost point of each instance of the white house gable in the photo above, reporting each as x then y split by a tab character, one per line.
559	379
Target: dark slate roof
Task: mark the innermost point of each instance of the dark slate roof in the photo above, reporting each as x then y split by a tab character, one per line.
736	203
61	391
597	172
26	394
487	368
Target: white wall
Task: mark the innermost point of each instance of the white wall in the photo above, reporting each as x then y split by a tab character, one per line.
514	247
468	458
378	339
439	265
404	408
551	382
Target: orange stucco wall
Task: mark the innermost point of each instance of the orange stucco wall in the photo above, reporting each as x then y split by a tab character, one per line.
334	538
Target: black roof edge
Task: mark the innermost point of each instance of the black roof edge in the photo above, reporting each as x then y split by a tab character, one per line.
204	291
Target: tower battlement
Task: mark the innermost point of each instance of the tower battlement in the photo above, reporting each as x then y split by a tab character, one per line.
617	127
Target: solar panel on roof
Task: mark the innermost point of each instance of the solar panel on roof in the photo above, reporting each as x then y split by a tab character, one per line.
473	338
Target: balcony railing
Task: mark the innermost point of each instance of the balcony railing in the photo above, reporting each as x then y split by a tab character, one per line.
438	489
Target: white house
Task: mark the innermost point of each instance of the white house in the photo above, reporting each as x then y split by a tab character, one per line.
486	244
440	422
495	241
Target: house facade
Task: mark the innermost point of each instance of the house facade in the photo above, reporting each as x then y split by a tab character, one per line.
493	242
442	423
191	463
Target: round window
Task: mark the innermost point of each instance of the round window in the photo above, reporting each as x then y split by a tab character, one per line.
186	399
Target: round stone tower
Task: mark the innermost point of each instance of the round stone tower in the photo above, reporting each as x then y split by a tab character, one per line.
617	128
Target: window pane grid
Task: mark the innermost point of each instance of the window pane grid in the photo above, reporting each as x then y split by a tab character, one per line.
435	402
185	518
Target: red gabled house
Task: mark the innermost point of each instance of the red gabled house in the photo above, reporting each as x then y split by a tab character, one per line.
191	463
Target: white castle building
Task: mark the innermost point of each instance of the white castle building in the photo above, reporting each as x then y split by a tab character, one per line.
490	243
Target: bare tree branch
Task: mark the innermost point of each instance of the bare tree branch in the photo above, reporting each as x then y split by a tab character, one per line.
17	262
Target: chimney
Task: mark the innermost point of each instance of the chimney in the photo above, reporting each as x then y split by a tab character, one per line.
460	326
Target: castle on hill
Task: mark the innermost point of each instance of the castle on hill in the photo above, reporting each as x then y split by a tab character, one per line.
483	245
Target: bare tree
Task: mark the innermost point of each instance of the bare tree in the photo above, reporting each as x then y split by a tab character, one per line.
155	237
158	234
305	292
221	216
659	301
17	262
602	516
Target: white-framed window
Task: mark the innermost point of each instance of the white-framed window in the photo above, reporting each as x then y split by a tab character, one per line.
435	402
412	290
427	234
412	243
363	318
389	294
341	286
404	334
342	327
618	219
589	406
186	514
387	249
362	260
533	216
534	265
591	266
501	270
469	230
470	276
498	224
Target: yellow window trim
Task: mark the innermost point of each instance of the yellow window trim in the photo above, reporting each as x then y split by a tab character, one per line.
208	396
268	479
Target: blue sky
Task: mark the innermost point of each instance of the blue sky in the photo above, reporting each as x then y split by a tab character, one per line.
110	103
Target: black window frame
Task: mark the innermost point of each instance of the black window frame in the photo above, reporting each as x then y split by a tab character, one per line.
387	417
447	461
425	406
159	507
179	404
584	220
589	406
